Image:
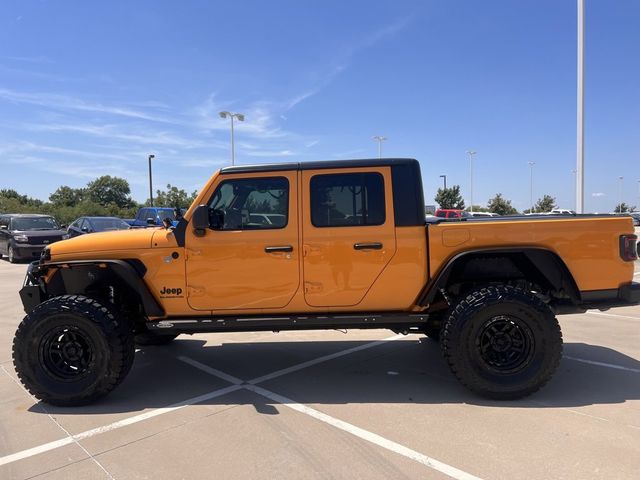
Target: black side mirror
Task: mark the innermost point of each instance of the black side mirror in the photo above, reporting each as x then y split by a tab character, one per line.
200	220
85	229
151	221
3	227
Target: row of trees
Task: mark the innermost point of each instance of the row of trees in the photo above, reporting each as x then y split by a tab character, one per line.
451	198
106	195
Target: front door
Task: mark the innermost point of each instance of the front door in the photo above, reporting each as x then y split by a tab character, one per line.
348	233
249	258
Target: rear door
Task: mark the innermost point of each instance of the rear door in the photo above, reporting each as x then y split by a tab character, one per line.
348	233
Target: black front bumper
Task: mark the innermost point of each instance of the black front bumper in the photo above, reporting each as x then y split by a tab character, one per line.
32	292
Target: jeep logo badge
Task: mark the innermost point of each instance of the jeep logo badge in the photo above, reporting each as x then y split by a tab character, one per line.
170	292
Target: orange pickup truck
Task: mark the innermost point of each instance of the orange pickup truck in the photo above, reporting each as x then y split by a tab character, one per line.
321	245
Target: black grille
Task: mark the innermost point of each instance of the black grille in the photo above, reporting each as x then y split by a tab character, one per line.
46	240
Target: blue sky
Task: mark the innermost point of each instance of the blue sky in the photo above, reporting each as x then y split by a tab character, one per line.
91	87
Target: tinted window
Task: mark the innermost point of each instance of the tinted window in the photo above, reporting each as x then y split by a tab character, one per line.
33	223
348	199
251	204
142	214
106	224
441	214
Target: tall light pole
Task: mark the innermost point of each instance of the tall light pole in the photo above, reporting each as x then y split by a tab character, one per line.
471	153
531	164
379	139
240	117
638	204
444	177
580	113
621	178
575	204
151	157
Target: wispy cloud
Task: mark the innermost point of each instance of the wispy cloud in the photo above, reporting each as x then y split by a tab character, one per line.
68	102
598	194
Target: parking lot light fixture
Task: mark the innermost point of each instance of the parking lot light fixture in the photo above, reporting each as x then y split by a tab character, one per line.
444	178
238	116
379	139
471	154
151	157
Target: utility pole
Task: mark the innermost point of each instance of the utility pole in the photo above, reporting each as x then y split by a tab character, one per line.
471	153
151	157
580	113
379	139
444	177
620	194
531	164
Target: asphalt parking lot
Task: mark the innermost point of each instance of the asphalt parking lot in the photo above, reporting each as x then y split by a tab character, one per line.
366	404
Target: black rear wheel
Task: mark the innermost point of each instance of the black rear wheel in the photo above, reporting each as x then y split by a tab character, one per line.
71	350
502	342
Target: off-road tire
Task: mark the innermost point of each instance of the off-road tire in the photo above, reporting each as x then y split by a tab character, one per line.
147	338
502	342
50	339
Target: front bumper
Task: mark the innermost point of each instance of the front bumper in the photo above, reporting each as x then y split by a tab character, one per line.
23	251
32	292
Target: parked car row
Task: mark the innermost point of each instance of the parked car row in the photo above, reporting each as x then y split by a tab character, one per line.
23	236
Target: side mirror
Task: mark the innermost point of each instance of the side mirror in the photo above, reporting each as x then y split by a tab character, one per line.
85	229
64	225
151	221
3	227
200	220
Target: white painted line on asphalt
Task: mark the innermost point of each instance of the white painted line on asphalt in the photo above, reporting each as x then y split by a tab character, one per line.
176	406
363	434
30	452
342	425
211	371
602	364
325	358
615	315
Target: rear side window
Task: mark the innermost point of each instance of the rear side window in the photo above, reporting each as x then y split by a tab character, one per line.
441	214
347	200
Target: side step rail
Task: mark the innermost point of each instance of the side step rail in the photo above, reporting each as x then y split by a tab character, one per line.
398	322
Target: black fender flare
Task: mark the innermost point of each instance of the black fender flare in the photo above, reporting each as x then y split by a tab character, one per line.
547	263
129	272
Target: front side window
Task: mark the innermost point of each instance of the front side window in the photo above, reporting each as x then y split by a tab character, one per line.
347	200
250	204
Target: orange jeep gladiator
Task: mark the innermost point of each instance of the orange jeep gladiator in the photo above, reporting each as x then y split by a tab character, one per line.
321	245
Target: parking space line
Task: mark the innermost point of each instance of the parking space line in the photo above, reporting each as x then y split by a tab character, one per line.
615	315
176	406
30	452
602	364
325	358
342	425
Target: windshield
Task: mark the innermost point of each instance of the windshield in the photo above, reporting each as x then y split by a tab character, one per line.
34	223
106	224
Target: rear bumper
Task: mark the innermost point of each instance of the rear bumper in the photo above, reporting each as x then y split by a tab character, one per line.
626	295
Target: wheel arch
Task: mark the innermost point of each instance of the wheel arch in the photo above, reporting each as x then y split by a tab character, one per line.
83	276
540	266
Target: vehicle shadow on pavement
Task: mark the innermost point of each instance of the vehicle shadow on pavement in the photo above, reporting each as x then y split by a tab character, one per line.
406	371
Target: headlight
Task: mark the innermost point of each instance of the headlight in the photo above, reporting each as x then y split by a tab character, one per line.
65	236
21	238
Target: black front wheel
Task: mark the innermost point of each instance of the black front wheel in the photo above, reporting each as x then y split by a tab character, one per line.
502	342
72	350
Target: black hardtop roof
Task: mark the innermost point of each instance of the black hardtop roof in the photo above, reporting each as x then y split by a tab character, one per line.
318	165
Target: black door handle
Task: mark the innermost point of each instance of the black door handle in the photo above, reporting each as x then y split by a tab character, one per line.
283	248
367	246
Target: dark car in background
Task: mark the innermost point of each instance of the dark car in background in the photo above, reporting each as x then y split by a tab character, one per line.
24	236
636	218
85	225
152	216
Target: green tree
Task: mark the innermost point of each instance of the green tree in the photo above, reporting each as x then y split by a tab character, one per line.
624	208
107	190
501	205
67	197
173	197
450	198
543	205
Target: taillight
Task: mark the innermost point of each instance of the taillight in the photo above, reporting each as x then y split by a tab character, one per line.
629	248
